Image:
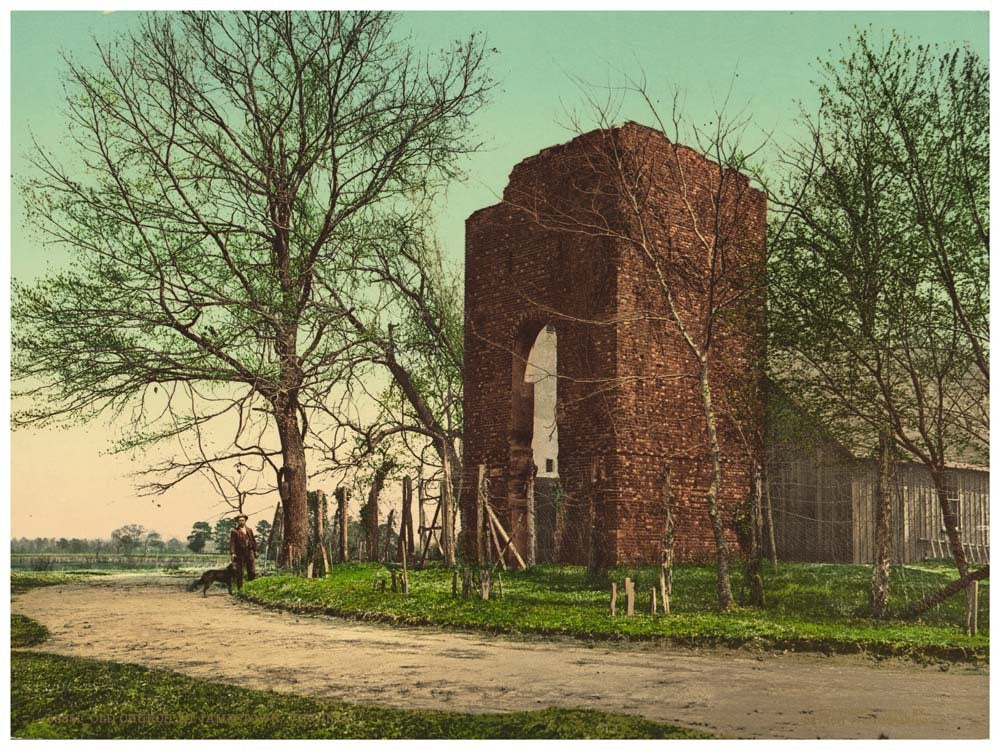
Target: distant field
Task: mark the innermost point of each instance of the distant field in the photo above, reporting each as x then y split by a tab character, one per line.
95	561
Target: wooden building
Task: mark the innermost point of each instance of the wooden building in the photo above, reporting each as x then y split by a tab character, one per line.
823	498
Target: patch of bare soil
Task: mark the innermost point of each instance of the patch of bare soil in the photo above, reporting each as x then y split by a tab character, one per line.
153	621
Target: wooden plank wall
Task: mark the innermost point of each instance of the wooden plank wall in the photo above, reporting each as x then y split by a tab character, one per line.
826	513
918	524
812	510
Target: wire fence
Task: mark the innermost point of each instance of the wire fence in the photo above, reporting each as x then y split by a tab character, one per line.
826	513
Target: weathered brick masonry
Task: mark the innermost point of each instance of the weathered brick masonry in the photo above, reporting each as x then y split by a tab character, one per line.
560	248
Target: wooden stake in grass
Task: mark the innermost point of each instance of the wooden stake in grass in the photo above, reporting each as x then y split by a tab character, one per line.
388	534
614	598
652	601
505	538
629	597
405	579
485	583
972	609
496	544
454	583
664	595
466	583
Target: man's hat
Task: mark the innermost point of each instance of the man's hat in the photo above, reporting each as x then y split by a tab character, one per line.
244	516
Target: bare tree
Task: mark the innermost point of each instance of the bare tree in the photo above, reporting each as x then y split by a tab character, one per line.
232	165
407	364
877	288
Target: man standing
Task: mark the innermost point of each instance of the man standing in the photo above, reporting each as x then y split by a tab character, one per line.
243	549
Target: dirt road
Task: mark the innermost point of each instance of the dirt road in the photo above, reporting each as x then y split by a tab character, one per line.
153	621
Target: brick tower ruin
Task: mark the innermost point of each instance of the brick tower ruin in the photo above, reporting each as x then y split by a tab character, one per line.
563	256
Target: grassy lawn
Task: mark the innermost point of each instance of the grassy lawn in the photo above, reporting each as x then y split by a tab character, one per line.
820	607
67	697
26	632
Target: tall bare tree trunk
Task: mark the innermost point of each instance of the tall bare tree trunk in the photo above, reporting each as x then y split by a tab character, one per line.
292	485
275	533
667	563
721	548
342	518
320	561
950	522
371	512
883	524
942	594
406	520
754	581
447	520
772	548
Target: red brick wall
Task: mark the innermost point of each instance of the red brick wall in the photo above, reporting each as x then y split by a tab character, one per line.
560	249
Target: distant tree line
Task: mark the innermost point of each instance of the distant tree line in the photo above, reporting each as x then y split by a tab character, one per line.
127	540
205	538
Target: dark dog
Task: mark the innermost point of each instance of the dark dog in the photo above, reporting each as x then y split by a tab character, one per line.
221	575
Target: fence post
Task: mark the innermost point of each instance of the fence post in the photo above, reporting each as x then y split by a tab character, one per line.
405	578
406	523
342	495
388	535
972	608
422	516
485	582
447	530
275	535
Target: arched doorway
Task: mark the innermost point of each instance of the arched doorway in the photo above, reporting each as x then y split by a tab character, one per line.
534	443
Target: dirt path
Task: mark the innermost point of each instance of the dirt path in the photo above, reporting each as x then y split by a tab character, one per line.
154	622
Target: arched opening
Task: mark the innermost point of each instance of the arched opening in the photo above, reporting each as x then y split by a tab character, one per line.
534	444
541	372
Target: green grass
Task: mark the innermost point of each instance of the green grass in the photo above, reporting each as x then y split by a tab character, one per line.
816	607
67	697
26	632
21	581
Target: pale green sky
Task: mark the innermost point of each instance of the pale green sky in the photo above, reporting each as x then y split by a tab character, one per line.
771	54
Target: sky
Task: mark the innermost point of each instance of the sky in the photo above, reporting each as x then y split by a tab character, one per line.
64	482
